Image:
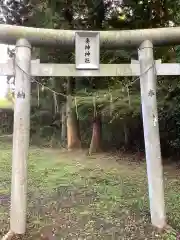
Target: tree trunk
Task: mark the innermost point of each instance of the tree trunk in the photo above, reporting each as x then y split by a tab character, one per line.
56	101
38	95
63	124
56	107
95	145
73	136
126	138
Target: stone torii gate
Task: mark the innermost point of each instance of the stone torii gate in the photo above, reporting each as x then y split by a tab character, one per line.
146	68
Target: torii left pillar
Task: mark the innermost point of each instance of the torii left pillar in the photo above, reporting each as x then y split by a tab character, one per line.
20	136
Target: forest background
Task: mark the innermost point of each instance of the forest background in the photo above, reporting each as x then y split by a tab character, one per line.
63	109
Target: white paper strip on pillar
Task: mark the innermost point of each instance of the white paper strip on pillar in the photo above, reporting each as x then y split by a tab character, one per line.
87	50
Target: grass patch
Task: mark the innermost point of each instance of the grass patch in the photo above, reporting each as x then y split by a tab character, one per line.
86	198
5	103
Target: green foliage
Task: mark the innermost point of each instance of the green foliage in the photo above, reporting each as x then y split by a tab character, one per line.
14	11
177	51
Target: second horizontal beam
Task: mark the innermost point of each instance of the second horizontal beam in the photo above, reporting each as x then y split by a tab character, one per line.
69	70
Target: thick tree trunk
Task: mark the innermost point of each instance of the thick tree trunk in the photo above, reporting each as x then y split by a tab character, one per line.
95	145
63	124
73	136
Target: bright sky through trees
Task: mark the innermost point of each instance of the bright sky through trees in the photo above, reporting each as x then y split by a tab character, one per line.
3	80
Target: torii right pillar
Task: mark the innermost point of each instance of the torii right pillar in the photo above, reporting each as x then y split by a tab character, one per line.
151	134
